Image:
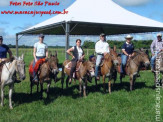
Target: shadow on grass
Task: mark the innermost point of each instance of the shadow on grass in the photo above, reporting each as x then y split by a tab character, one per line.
55	92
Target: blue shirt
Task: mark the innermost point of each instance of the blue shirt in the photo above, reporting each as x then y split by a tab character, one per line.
129	48
3	51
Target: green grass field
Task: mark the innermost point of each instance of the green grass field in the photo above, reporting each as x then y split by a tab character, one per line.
122	105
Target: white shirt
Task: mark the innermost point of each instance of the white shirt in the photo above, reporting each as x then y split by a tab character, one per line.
40	49
80	51
101	47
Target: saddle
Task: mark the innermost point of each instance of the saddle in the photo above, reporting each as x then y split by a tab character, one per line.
127	64
69	65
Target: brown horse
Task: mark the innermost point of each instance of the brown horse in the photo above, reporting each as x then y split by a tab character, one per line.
85	68
47	71
133	66
158	69
108	67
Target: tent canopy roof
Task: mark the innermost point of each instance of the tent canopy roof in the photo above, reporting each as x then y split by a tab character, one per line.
91	17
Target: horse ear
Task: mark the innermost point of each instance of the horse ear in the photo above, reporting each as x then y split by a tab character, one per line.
22	56
114	49
55	54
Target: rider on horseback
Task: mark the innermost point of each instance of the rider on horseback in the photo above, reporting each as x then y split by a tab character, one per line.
40	51
4	49
101	49
156	47
77	55
127	52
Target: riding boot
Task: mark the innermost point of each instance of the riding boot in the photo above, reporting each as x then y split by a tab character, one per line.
15	78
35	79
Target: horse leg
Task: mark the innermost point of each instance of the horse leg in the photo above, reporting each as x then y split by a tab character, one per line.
121	78
67	81
131	82
84	88
2	94
37	87
104	83
41	84
162	81
10	95
31	85
80	86
96	82
109	86
48	87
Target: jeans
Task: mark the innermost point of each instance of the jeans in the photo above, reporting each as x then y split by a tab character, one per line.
34	63
153	60
73	67
123	62
98	61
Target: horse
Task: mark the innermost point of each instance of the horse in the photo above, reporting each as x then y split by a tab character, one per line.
158	69
47	71
133	66
108	67
84	69
8	78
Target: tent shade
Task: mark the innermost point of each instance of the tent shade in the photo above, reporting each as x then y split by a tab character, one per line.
95	16
81	28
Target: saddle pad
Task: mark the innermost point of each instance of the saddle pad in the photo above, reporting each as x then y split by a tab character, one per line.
37	65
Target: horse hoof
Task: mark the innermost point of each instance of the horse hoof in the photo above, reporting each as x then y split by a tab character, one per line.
11	107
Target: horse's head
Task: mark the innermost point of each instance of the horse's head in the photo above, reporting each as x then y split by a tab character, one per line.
53	64
144	58
90	67
114	57
20	67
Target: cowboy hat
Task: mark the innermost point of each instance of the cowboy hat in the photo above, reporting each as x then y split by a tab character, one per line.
128	37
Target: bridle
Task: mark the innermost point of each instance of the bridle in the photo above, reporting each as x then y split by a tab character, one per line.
138	53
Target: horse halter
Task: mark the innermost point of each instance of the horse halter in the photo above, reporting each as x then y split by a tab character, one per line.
18	66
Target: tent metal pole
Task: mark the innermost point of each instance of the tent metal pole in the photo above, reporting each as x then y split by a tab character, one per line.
67	33
17	54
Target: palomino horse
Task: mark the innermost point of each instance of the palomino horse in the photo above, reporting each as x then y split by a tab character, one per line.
158	69
85	68
47	71
108	67
8	78
133	66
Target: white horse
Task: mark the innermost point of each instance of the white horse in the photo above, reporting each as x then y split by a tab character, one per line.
8	77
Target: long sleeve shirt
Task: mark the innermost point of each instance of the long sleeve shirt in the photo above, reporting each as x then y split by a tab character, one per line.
102	47
156	46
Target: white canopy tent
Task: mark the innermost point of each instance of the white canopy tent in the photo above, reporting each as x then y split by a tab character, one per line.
91	17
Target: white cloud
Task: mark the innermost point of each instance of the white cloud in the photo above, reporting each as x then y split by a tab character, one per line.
132	2
2	32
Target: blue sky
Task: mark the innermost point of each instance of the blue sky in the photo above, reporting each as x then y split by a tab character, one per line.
11	24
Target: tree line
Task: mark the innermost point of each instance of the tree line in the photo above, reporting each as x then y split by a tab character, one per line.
88	44
137	44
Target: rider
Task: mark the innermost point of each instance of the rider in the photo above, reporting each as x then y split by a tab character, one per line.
40	51
127	52
4	49
77	55
156	47
101	49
